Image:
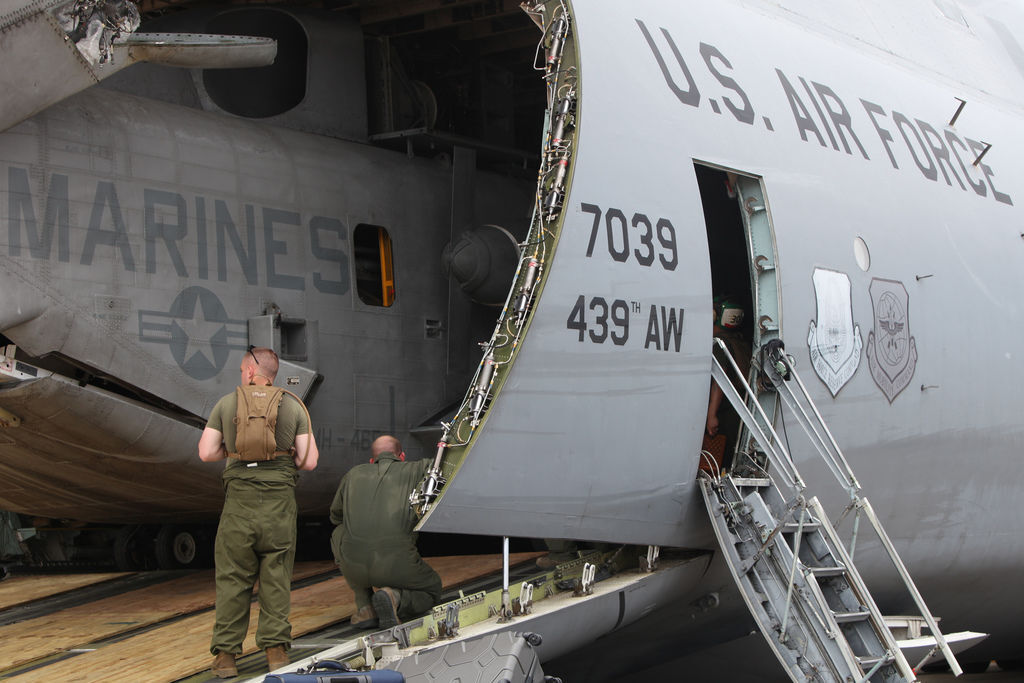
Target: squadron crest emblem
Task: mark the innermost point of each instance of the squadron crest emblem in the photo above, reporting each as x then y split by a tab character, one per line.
833	340
891	352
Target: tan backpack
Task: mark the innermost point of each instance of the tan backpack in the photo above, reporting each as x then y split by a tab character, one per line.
256	422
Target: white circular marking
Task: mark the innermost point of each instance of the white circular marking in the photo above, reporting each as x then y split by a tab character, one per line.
861	253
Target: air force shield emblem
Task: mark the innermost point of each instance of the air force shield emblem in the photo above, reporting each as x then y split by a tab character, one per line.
892	352
833	340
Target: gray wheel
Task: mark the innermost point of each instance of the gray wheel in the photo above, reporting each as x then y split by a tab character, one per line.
131	548
176	547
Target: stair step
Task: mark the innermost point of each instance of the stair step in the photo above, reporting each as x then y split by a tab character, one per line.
749	513
754	482
825	572
851	617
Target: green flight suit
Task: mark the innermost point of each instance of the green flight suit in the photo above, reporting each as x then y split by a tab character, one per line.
256	534
373	543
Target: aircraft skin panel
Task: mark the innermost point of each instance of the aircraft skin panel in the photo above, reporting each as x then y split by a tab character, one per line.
55	70
934	442
56	461
938	461
957	239
956	42
587	407
589	434
145	236
294	278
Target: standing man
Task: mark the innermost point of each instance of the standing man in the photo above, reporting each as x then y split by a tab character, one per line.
268	437
373	542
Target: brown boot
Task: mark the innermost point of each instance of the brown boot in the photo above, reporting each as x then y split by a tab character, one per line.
385	602
546	562
365	617
224	665
277	657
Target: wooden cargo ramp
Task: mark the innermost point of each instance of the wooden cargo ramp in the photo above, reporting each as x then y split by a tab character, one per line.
19	590
77	627
179	648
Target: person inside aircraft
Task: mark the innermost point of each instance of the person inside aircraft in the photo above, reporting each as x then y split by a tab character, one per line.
723	423
373	541
257	530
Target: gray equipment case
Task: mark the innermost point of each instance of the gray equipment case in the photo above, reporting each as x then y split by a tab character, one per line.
500	658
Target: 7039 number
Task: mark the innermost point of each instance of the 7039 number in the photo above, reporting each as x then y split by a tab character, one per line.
617	230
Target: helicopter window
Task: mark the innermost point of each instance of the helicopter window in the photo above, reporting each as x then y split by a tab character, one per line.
375	278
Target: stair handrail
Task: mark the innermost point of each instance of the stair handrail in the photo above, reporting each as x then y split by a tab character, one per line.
863	594
837	462
773	447
901	568
829	449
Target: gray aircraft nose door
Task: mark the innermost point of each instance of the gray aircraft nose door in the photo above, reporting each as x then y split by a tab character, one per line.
594	427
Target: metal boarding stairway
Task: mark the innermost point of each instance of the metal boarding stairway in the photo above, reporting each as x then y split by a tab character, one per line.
797	578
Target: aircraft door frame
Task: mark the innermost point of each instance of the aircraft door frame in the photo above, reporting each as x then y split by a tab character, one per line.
767	304
759	244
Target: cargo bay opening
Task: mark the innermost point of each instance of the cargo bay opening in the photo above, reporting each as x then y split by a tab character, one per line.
440	86
741	247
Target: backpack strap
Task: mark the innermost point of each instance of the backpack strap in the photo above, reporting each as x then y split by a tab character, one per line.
309	421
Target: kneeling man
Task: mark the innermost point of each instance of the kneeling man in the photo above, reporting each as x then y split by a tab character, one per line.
374	544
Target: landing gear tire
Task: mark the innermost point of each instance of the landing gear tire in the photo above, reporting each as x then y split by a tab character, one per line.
131	548
177	547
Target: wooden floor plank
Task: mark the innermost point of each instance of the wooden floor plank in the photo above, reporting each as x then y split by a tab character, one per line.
181	648
29	640
18	590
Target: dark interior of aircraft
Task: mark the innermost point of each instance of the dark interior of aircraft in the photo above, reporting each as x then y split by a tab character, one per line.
730	271
727	247
437	73
463	68
419	78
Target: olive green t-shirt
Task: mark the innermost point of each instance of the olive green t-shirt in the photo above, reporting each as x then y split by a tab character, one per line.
291	420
